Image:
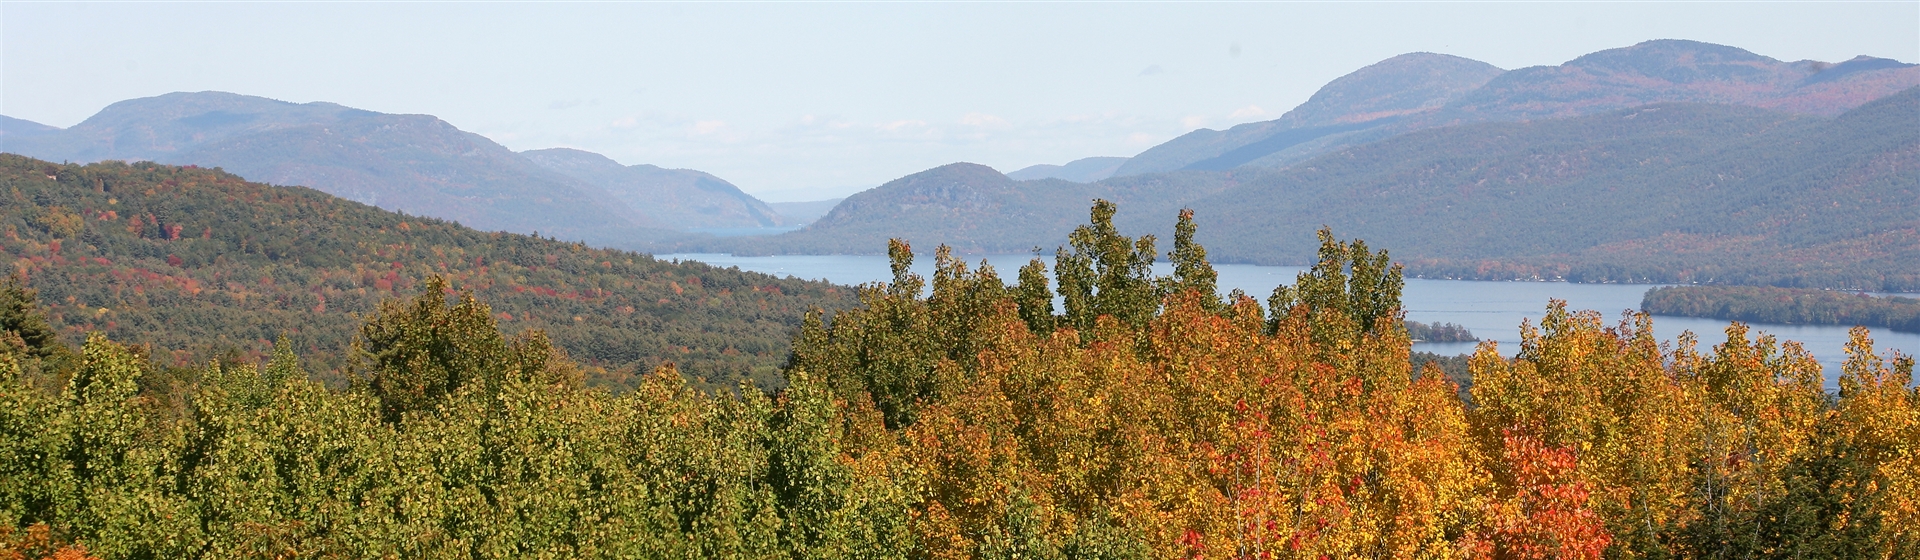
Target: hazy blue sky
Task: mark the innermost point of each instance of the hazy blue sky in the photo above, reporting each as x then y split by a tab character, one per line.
809	96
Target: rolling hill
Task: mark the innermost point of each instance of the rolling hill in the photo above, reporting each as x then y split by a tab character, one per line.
193	263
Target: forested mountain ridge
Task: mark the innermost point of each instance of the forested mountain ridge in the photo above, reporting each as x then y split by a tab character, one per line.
1083	170
195	262
12	128
1366	98
1669	193
1667	71
156	128
413	163
679	198
975	209
1431	90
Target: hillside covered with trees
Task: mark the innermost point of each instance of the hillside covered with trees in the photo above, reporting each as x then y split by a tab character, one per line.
1785	305
1420	91
974	209
1666	193
1145	418
418	164
1660	193
196	263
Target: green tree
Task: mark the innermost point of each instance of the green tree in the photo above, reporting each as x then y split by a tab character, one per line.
412	355
1191	271
1101	272
1350	282
1034	298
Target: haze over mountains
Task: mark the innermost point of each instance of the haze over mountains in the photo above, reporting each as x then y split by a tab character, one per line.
413	163
1560	172
975	209
1369	97
681	198
1083	170
1673	192
1425	90
1667	160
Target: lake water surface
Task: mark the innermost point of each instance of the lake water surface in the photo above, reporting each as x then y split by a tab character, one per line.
1492	310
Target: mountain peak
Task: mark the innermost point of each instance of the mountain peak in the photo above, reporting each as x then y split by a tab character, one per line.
1680	71
950	187
1681	61
1400	85
956	170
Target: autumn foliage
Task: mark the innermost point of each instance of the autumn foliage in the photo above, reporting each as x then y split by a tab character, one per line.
959	416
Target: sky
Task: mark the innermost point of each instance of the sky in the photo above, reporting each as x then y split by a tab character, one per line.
804	101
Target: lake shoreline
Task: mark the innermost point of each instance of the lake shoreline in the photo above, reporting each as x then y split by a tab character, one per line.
1492	310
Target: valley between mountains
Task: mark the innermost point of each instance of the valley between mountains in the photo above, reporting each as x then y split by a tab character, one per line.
238	327
1666	161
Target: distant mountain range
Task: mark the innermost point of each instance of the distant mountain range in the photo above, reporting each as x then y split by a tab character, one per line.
1369	97
1667	192
1083	170
1672	192
805	212
412	163
1667	160
1424	90
975	209
21	128
680	198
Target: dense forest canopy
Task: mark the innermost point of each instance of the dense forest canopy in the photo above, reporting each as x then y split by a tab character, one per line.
963	416
1785	305
195	263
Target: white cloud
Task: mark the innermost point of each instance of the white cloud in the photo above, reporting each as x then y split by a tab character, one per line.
1249	111
1193	121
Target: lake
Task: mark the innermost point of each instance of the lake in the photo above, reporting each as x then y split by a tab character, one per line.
1492	310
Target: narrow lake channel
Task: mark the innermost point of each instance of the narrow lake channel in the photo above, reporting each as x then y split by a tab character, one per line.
1492	310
